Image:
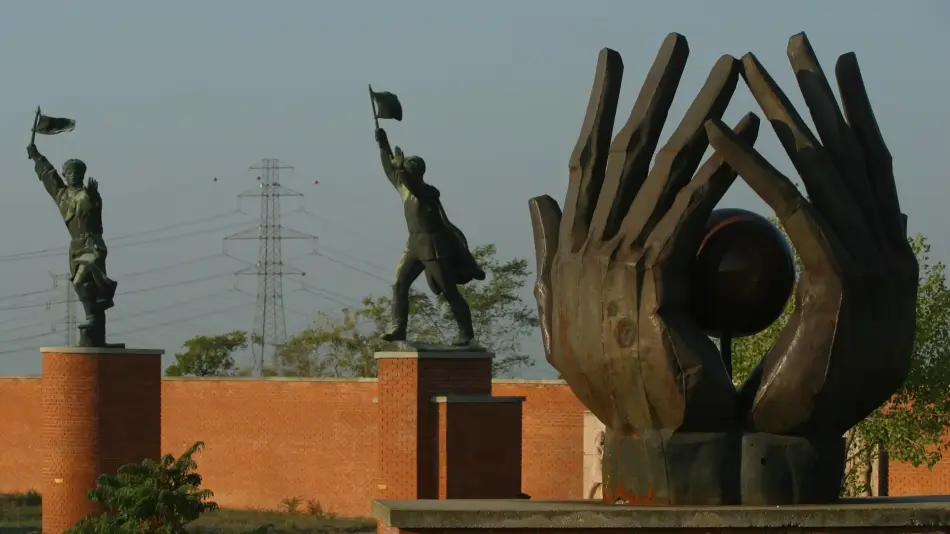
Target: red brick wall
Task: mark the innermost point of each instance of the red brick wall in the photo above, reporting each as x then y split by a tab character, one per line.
552	448
21	434
269	440
273	439
905	479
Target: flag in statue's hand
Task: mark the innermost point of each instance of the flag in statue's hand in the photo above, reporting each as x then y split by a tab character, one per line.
387	105
53	125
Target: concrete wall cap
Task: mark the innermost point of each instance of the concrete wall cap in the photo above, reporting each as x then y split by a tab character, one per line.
102	350
435	355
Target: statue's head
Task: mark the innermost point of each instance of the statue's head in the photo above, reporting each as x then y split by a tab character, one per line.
415	167
74	172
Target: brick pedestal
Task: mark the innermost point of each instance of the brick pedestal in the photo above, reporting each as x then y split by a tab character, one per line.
442	434
101	410
479	449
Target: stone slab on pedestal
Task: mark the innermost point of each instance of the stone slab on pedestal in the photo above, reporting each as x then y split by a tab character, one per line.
101	410
479	449
418	346
884	515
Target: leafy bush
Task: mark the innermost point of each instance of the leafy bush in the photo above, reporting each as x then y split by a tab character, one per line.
151	497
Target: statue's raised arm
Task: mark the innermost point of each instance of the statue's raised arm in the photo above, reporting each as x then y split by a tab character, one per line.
46	173
386	156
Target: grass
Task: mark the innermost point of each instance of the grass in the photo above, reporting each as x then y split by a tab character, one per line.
20	514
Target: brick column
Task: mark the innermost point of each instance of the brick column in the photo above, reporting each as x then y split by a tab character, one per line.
409	421
101	409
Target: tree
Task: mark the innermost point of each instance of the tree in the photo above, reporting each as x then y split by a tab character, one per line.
209	355
334	346
913	426
151	497
344	345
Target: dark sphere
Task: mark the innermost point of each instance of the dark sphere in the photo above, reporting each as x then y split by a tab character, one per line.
742	276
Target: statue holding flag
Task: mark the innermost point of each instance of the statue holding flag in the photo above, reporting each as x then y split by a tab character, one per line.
435	246
80	205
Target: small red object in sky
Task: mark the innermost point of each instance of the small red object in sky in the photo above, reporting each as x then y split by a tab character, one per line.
316	181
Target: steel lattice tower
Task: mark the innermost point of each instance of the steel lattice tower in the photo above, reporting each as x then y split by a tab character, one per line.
270	329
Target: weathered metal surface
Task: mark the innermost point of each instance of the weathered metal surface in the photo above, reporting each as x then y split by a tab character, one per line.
613	268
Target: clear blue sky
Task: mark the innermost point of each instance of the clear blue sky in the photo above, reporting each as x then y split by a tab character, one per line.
169	95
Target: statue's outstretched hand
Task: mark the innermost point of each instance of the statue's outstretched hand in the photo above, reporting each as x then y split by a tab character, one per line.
847	347
612	267
398	158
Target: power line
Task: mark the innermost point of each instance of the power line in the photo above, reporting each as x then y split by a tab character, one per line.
177	304
124	276
57	250
24	326
172	237
183	319
131	331
142	290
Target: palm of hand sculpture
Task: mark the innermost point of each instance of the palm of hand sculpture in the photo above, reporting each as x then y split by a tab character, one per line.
612	286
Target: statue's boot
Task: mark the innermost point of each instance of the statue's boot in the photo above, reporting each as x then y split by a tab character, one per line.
397	334
463	340
463	318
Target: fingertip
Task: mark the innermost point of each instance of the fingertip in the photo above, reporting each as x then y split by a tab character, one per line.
798	44
716	130
847	64
543	208
730	60
609	60
748	127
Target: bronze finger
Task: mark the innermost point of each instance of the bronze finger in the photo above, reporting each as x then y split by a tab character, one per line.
589	159
545	224
634	146
836	135
677	235
880	167
813	240
680	157
825	187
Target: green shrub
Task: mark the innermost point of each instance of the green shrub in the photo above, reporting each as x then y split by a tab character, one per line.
151	497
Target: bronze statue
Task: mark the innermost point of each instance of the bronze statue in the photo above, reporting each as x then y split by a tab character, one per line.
81	207
613	295
435	245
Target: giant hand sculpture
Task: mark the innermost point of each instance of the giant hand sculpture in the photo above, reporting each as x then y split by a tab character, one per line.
848	344
612	288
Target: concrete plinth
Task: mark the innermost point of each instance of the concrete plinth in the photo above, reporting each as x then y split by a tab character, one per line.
912	515
101	410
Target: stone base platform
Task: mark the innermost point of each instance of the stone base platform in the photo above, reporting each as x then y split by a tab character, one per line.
910	515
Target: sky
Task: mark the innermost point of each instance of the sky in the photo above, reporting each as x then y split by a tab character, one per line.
170	95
